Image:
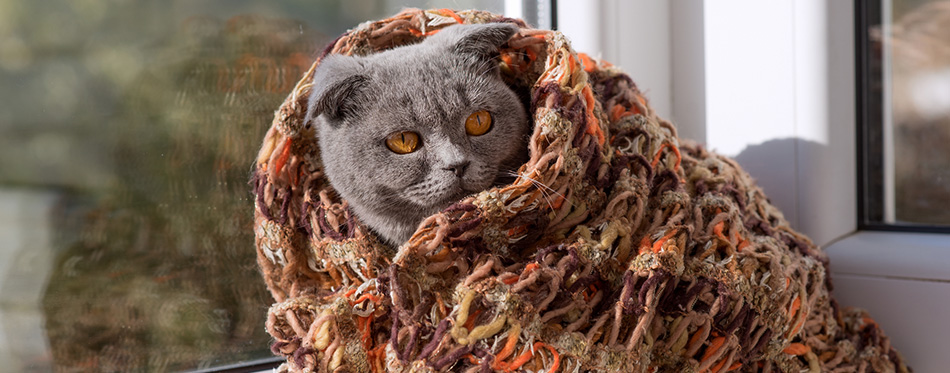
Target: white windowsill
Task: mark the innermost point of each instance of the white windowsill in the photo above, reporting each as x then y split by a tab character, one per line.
895	255
903	280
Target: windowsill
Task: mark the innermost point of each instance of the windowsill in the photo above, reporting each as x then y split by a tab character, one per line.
903	280
895	255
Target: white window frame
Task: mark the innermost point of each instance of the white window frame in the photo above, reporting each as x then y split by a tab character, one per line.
773	84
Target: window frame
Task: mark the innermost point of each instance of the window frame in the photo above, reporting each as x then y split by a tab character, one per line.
870	116
252	366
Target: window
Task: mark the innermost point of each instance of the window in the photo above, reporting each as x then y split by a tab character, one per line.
126	138
904	98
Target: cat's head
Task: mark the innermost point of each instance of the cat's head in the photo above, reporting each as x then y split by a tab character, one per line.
406	132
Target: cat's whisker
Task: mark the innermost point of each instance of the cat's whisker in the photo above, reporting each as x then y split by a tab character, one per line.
544	194
490	67
534	181
546	191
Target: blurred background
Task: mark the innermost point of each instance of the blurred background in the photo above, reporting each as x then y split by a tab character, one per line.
915	49
127	134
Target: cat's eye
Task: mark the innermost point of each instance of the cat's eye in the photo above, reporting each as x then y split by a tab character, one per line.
404	142
479	123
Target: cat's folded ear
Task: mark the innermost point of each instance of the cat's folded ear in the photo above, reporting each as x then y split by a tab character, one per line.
337	88
482	40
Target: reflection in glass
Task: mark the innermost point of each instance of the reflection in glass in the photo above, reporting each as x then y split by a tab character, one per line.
916	39
126	141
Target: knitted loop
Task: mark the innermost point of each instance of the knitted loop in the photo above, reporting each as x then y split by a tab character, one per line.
619	247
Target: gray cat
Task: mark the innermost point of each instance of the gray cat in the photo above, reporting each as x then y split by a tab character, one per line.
407	132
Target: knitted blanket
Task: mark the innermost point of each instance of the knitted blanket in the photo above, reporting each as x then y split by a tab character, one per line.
620	248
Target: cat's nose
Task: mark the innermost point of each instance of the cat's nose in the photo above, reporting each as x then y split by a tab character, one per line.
458	168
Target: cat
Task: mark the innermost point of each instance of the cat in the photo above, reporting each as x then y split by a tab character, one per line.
406	132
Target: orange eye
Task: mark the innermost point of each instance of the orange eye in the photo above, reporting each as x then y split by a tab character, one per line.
479	123
403	142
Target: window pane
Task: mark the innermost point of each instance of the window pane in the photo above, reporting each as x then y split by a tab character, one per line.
911	46
127	135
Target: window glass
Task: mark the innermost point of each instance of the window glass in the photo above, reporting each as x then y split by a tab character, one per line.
907	113
127	135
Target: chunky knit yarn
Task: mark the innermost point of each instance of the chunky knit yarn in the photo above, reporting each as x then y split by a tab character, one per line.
620	248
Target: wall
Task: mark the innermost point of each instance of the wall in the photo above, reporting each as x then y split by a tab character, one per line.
770	83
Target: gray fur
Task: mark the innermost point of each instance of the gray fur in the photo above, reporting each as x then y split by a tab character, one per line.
429	88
